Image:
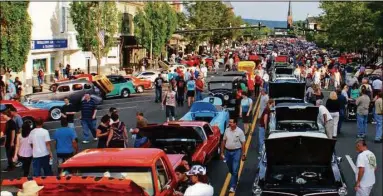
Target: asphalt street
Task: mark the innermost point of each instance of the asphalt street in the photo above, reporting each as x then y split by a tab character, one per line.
217	169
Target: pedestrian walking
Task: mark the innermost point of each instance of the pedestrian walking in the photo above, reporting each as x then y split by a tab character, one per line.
10	139
66	142
88	118
181	89
258	83
191	88
342	110
333	106
337	78
233	145
378	114
264	124
158	84
199	180
266	79
250	85
199	88
102	131
23	151
41	149
362	108
118	135
169	103
325	118
19	87
40	77
366	163
377	86
68	112
263	102
139	140
245	112
11	90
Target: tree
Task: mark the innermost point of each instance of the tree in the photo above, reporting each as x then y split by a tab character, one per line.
15	35
92	19
154	25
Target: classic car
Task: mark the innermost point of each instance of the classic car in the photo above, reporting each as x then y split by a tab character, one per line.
279	72
77	185
196	139
293	164
150	168
53	106
28	114
152	75
121	87
88	77
209	110
287	91
140	84
191	61
282	58
234	73
228	89
286	79
74	90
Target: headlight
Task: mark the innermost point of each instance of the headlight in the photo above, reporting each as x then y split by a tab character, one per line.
342	191
226	97
257	191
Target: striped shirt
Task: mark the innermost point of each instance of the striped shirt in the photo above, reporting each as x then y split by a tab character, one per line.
87	109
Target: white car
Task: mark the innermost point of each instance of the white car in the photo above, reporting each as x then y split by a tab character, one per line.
151	75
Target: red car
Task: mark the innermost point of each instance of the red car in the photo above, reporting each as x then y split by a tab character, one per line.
140	84
28	114
197	139
191	61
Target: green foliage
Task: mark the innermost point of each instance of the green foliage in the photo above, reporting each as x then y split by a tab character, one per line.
89	18
15	35
156	22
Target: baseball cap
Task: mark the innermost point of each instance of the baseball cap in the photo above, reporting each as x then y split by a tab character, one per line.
196	170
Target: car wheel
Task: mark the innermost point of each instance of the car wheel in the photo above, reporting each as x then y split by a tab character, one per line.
55	113
29	120
125	93
140	89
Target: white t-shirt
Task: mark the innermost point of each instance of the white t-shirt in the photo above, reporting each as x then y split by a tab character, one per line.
37	138
337	76
170	98
266	77
199	189
377	84
317	77
367	160
323	110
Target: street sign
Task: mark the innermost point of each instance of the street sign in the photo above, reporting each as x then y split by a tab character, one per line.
88	54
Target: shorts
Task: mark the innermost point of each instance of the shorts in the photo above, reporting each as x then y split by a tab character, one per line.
190	93
246	119
169	111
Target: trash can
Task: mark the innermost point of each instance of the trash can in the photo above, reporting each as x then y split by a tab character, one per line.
37	89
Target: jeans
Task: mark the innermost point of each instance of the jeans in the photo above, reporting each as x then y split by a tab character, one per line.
158	94
88	125
198	95
71	125
335	118
378	119
41	163
362	124
233	158
266	86
341	119
261	137
40	80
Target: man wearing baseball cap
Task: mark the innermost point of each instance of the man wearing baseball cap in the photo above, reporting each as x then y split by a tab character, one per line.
197	175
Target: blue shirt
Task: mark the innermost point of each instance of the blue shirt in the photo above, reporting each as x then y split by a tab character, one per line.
87	109
64	137
190	85
245	104
19	122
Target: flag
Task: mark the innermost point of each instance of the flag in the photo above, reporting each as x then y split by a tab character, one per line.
101	37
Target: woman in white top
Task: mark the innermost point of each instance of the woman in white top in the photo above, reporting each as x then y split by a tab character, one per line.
170	103
23	151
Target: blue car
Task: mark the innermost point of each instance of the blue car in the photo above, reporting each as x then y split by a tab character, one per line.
209	110
54	107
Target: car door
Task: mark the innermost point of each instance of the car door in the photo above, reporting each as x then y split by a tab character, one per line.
212	141
164	178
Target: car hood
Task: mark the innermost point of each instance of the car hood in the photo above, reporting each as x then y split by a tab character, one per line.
287	89
309	113
169	132
40	94
299	150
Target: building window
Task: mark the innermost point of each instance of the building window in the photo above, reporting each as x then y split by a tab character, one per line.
126	24
39	64
63	23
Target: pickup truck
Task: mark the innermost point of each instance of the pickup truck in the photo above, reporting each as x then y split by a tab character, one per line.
150	168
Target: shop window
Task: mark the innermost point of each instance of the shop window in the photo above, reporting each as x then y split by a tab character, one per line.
63	89
77	87
39	64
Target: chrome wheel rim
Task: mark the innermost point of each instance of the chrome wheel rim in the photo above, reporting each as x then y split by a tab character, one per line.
125	93
56	113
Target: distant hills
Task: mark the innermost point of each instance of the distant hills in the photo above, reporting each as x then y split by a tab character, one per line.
269	23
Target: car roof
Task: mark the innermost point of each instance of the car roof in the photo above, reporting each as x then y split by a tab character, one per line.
80	80
186	123
114	157
225	78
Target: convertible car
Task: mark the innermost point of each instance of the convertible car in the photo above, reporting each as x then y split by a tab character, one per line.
196	139
292	164
209	110
53	106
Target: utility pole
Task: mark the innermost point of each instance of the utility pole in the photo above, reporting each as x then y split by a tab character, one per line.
151	49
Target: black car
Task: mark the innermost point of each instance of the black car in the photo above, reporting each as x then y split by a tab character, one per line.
293	164
228	89
234	73
292	92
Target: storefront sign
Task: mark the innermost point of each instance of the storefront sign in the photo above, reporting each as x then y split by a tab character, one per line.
49	44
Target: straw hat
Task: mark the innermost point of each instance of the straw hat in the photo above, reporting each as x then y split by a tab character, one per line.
30	188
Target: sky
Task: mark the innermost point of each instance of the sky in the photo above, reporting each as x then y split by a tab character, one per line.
275	10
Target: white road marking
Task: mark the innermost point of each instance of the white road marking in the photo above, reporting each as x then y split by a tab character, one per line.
352	164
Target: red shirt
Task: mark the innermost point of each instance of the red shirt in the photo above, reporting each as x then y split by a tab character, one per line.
250	84
199	84
258	80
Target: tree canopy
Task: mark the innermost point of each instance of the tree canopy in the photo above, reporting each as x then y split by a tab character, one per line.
91	18
15	35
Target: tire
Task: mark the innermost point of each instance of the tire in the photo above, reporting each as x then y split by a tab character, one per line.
29	120
140	89
55	113
125	93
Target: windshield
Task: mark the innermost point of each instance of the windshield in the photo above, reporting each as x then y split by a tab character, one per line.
221	85
140	175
